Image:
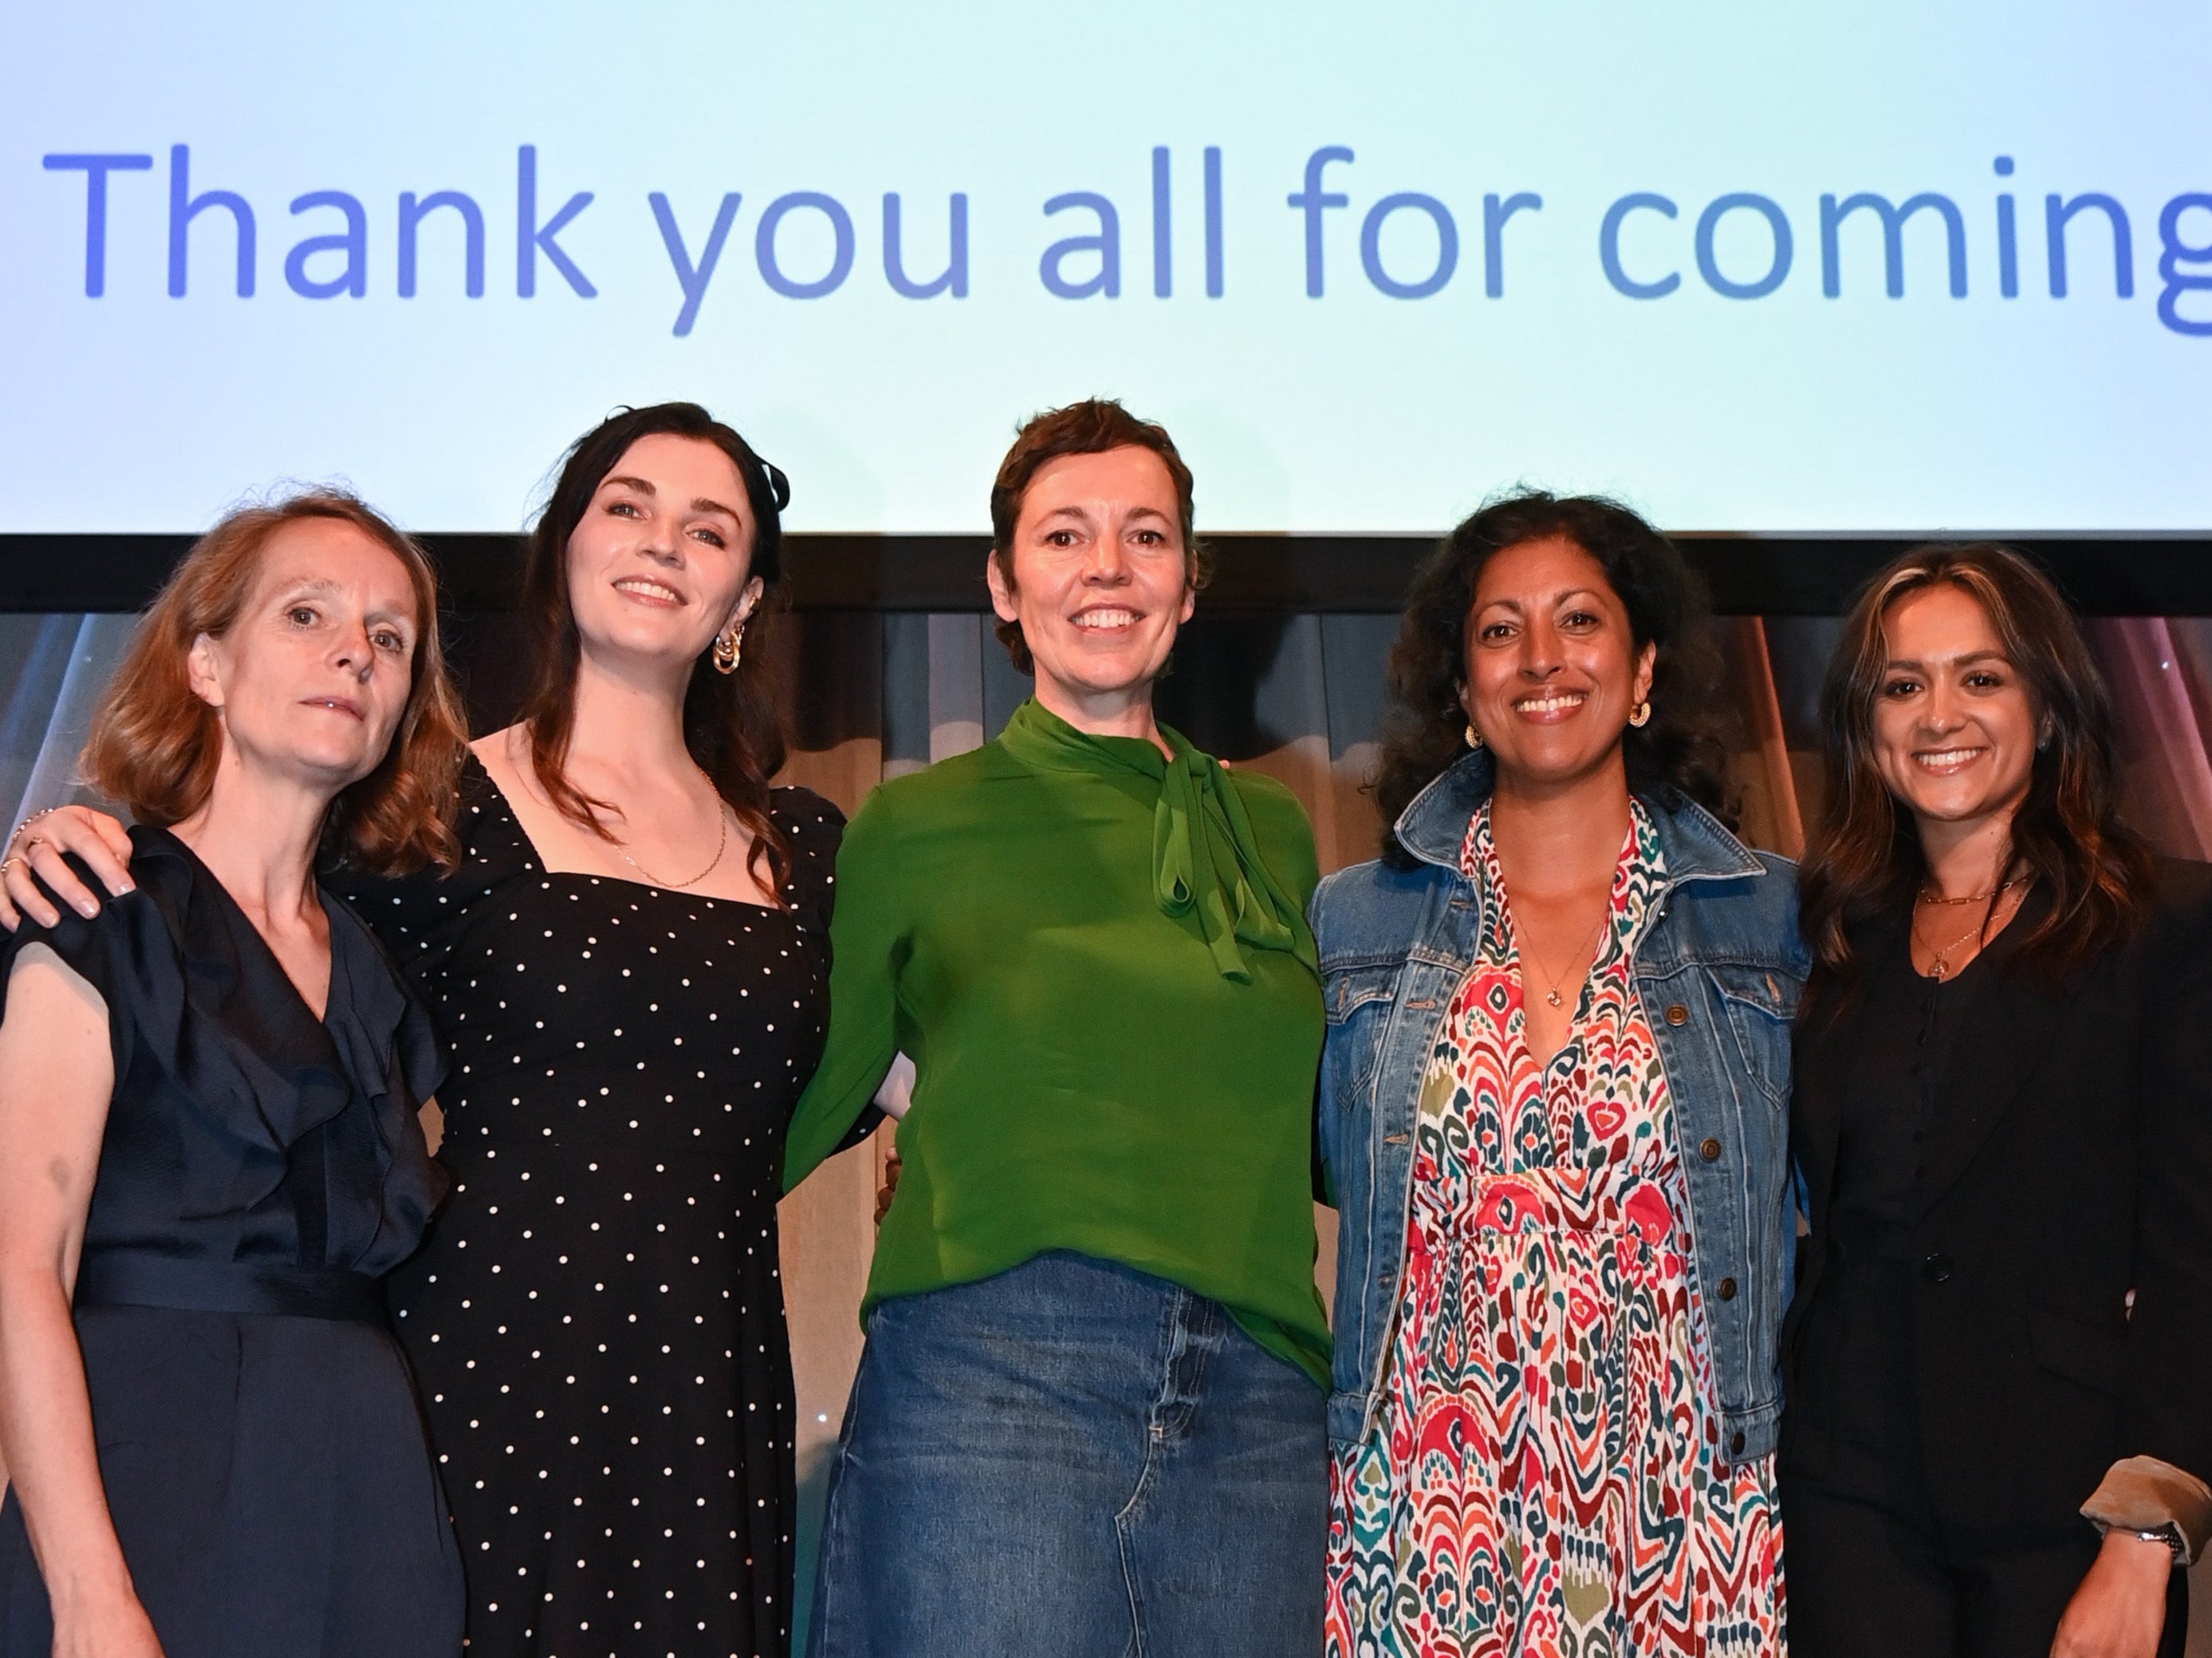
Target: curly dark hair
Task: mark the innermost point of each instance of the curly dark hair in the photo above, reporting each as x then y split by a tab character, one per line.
1865	858
1677	755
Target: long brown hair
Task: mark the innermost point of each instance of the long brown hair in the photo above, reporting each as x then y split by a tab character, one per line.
155	746
731	722
1676	755
1864	856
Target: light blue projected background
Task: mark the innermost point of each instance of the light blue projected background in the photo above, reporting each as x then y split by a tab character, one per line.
1865	265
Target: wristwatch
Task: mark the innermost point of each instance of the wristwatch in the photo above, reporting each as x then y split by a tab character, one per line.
2169	1534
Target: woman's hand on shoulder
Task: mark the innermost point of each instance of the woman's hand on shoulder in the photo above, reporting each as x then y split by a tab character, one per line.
34	856
2119	1611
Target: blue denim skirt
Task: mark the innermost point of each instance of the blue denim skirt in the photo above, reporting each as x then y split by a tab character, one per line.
1073	1460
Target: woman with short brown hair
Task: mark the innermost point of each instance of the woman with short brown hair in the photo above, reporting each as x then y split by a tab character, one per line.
2002	1336
1088	1419
209	1152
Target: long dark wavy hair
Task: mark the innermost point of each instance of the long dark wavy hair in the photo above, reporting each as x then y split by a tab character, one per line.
731	723
1677	755
1864	855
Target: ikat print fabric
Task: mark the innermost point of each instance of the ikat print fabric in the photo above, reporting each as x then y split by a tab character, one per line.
1544	1475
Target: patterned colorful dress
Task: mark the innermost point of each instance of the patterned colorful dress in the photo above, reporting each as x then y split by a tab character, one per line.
1544	1475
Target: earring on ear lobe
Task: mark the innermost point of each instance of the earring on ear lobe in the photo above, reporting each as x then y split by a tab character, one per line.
1641	713
1473	737
729	649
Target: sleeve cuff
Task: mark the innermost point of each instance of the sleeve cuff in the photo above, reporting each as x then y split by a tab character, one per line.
2142	1494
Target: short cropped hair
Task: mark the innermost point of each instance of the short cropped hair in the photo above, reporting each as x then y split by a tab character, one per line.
1090	427
155	745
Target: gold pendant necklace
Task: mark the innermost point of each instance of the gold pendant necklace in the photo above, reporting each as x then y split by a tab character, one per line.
1939	968
1552	995
1939	961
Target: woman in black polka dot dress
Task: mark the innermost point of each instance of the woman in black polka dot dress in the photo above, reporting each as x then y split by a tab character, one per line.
597	1321
597	1324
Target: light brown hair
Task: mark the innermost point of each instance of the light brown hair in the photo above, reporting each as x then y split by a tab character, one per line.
1864	856
155	745
1090	427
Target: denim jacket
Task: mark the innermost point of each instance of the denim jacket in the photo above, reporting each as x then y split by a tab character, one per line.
1717	969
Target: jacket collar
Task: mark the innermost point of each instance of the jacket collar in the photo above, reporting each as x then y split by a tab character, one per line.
1433	826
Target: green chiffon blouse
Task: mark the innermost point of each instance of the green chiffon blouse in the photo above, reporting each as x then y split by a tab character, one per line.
1098	960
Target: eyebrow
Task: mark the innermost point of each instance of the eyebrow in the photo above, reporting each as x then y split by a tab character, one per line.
699	503
1076	510
1958	661
1560	597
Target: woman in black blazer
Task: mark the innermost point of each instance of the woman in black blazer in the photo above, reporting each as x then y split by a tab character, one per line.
2001	1346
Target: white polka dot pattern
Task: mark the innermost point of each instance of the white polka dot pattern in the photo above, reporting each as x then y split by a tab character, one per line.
596	1323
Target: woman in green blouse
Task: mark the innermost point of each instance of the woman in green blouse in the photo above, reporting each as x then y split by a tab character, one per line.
1089	1415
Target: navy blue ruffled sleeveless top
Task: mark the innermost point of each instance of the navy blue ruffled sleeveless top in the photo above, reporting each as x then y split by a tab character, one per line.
256	1159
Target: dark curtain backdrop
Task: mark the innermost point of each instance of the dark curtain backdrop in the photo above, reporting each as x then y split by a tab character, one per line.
872	694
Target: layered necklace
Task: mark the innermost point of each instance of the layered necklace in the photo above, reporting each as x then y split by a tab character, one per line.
1940	966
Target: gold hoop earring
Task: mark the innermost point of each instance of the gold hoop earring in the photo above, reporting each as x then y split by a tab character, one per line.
1473	737
729	649
1641	714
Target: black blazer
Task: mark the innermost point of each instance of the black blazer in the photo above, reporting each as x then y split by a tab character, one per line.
2079	1168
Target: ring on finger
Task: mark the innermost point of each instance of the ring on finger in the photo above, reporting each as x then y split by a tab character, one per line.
7	863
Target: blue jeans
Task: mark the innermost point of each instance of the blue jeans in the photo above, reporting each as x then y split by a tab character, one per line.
1073	1460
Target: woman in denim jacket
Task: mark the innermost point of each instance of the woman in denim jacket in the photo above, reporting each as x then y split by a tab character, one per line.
1553	1109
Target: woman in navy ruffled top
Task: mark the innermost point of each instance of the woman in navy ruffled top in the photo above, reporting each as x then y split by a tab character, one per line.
210	1143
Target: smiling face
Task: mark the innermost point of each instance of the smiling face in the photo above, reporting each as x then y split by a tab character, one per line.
313	678
1553	667
1955	728
1101	580
661	560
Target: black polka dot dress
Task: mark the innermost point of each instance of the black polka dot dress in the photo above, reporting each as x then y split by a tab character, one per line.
596	1321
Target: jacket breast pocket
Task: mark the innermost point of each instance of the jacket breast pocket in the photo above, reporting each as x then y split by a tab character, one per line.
1356	1001
1759	1004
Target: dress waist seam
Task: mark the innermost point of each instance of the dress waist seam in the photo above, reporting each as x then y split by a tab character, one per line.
122	1278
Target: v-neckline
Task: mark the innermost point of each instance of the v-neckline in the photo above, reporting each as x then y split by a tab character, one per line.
269	958
1611	946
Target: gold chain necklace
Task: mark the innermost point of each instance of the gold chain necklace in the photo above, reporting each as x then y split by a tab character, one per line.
1552	995
1939	963
1927	897
722	845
